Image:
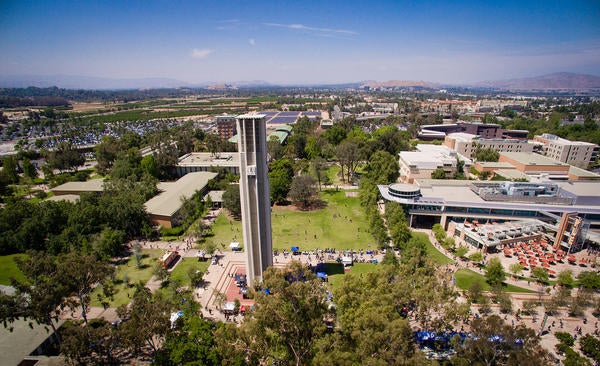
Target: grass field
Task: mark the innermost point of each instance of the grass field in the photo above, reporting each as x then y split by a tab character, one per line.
181	270
8	269
341	224
437	256
466	277
336	272
225	230
123	292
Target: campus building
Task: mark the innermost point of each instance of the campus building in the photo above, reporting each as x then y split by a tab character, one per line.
483	130
421	163
577	153
206	162
465	144
164	208
431	201
226	126
254	195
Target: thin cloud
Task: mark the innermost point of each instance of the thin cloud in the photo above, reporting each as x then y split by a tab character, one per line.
201	53
252	42
303	27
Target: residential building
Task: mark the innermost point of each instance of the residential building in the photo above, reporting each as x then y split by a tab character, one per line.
465	144
577	153
226	126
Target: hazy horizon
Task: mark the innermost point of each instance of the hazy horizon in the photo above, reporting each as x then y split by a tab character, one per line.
300	43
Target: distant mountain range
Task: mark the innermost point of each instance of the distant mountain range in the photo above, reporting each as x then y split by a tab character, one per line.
398	84
556	81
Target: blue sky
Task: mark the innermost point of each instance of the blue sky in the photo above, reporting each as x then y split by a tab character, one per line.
300	41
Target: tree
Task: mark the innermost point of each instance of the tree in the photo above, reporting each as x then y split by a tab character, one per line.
438	173
383	168
589	279
40	296
319	170
476	257
106	152
148	164
494	272
9	169
303	190
516	269
147	320
29	170
541	274
565	278
286	323
281	173
348	157
191	343
231	200
66	157
485	154
81	273
497	343
461	251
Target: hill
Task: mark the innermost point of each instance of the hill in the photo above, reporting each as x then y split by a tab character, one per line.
560	80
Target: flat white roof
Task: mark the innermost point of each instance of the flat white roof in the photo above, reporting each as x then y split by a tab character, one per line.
168	202
251	116
205	159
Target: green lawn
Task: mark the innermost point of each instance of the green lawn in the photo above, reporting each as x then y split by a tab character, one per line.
8	269
466	277
123	293
341	224
437	256
335	271
225	230
181	270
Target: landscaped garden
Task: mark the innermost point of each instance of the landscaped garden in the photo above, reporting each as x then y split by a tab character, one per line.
128	275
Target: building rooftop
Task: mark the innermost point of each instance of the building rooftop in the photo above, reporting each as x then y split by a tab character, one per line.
209	159
64	197
495	165
251	116
531	159
573	170
511	174
447	192
215	196
559	140
94	185
168	202
463	136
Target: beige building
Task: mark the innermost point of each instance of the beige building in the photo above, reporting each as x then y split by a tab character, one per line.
164	207
420	164
465	144
577	153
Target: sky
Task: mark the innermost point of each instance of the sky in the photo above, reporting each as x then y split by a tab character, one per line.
300	42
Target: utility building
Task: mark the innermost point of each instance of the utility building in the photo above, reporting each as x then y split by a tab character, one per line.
255	195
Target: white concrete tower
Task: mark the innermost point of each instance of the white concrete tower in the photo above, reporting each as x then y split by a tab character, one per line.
255	195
